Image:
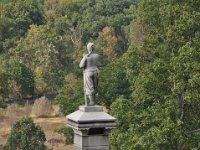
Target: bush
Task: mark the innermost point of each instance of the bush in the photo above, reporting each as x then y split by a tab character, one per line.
25	135
68	133
42	107
3	104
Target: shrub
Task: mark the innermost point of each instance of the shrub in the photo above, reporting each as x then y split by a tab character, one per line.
3	104
42	107
68	133
25	135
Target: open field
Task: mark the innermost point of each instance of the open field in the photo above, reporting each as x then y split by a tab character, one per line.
48	124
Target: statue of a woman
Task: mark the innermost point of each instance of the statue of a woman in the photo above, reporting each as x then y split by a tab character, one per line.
90	74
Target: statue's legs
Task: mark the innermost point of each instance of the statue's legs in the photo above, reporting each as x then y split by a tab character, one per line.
92	100
89	100
90	87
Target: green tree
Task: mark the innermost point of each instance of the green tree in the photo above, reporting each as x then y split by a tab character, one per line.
16	17
23	77
4	88
84	20
113	83
119	137
38	51
71	95
5	24
25	135
164	79
144	125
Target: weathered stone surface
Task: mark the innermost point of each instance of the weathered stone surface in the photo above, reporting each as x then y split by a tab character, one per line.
89	63
91	126
90	114
95	108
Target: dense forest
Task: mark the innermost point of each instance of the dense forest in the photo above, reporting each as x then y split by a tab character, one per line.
149	66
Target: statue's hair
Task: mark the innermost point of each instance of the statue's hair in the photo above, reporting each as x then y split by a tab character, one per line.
89	46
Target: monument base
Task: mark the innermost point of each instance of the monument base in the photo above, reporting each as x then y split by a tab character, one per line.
91	127
91	148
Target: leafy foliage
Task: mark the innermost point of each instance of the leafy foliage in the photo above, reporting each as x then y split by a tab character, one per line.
16	17
4	89
163	111
25	135
22	75
71	95
149	66
114	83
68	133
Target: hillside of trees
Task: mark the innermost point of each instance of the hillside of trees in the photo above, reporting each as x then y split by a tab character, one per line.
149	66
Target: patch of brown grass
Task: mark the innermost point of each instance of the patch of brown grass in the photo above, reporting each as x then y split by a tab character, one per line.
42	107
56	111
14	112
49	125
27	109
7	117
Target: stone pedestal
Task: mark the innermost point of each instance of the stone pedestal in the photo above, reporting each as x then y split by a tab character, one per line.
91	127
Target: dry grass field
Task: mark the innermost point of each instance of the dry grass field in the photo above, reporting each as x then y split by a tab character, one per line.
48	124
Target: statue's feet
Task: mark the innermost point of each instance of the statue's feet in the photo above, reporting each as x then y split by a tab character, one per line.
91	103
91	100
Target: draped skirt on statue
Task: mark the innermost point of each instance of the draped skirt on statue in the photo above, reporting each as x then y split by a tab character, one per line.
90	82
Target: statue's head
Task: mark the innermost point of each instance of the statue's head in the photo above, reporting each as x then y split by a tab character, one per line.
90	47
